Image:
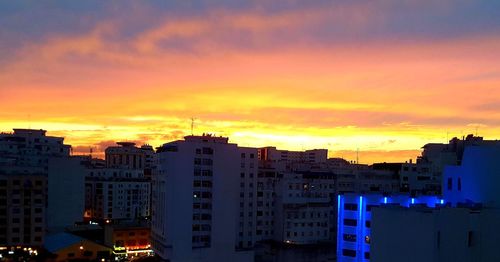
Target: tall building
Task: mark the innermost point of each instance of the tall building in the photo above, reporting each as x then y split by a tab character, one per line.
24	168
250	211
196	192
22	209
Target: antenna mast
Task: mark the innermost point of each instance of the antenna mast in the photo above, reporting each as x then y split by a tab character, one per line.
357	155
192	125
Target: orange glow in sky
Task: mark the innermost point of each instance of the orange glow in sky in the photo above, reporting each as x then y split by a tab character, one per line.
342	77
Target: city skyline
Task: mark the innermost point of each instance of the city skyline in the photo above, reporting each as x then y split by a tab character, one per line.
383	77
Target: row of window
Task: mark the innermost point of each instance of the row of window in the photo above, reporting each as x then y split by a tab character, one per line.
205	172
204	161
205	151
303	234
304	215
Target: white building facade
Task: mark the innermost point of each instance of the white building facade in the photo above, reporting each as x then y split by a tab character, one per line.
196	193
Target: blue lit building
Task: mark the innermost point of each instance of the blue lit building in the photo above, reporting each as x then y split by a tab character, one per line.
354	220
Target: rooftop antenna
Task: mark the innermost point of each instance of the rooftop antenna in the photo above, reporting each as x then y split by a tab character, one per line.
90	149
477	128
192	125
447	136
357	155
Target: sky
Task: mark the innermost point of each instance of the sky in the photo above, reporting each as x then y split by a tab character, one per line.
382	77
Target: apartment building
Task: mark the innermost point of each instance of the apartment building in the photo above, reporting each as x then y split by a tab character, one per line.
24	168
305	208
196	200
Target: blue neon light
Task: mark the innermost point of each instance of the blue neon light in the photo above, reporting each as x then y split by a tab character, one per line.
339	229
385	200
441	201
412	200
361	227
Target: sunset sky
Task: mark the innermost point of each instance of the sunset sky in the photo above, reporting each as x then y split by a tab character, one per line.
383	76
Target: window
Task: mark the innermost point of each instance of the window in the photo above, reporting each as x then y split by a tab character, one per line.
352	207
459	184
350	222
349	237
207	162
450	183
206	173
348	253
208	151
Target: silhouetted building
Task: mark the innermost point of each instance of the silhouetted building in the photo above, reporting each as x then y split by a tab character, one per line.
24	169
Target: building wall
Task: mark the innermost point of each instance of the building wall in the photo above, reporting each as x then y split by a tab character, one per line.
195	200
305	208
125	156
66	192
85	250
355	220
114	193
436	235
477	179
248	191
22	209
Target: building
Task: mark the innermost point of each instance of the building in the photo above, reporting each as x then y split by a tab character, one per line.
426	174
149	160
23	198
125	156
196	192
477	179
30	148
24	168
454	234
120	190
308	156
463	226
66	191
69	247
250	213
355	220
305	208
116	194
128	239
